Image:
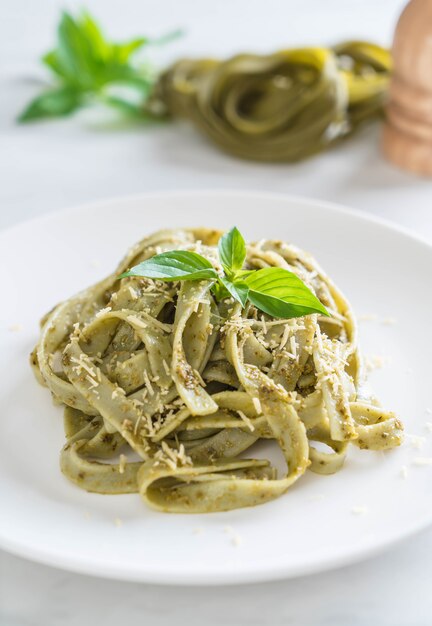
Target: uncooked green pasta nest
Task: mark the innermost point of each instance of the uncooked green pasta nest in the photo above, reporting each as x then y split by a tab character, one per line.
167	391
281	107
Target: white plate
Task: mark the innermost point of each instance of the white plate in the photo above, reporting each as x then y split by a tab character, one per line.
383	270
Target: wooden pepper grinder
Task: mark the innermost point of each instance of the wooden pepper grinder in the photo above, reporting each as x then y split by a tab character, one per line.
407	137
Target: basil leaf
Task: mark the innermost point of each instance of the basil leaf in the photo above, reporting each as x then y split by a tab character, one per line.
76	54
174	265
131	78
87	64
238	290
86	58
167	38
281	293
55	103
123	105
241	274
121	52
232	251
220	291
101	49
52	61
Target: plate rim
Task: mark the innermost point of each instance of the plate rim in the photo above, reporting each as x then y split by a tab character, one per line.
265	572
335	207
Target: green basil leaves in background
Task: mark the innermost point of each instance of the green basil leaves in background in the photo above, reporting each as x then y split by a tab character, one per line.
53	103
273	290
88	68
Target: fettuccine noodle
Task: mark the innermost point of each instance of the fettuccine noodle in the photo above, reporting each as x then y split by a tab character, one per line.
283	107
165	388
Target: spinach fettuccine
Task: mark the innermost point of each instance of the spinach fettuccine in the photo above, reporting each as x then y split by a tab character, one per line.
168	386
282	107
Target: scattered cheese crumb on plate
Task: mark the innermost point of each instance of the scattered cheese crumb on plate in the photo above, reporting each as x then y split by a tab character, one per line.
122	463
359	510
416	441
422	460
236	539
317	498
376	361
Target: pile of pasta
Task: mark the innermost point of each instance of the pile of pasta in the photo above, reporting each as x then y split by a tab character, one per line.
283	107
165	390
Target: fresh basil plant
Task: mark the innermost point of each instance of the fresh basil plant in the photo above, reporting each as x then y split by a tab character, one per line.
273	290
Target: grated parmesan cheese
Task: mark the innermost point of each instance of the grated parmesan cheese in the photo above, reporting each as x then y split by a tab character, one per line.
246	420
102	312
15	328
118	391
122	463
368	317
317	498
293	345
148	383
94	383
416	441
137	423
132	292
133	319
257	405
285	337
236	539
85	363
422	460
172	457
376	361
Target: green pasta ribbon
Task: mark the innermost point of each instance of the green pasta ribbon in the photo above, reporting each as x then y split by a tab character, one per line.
283	107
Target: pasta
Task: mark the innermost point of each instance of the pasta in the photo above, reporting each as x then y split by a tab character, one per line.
285	106
165	389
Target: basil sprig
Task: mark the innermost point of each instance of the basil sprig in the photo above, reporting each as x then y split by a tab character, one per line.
89	68
273	290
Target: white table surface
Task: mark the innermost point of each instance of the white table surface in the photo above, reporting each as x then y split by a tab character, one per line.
48	166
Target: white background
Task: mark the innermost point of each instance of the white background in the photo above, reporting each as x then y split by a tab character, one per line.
48	166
